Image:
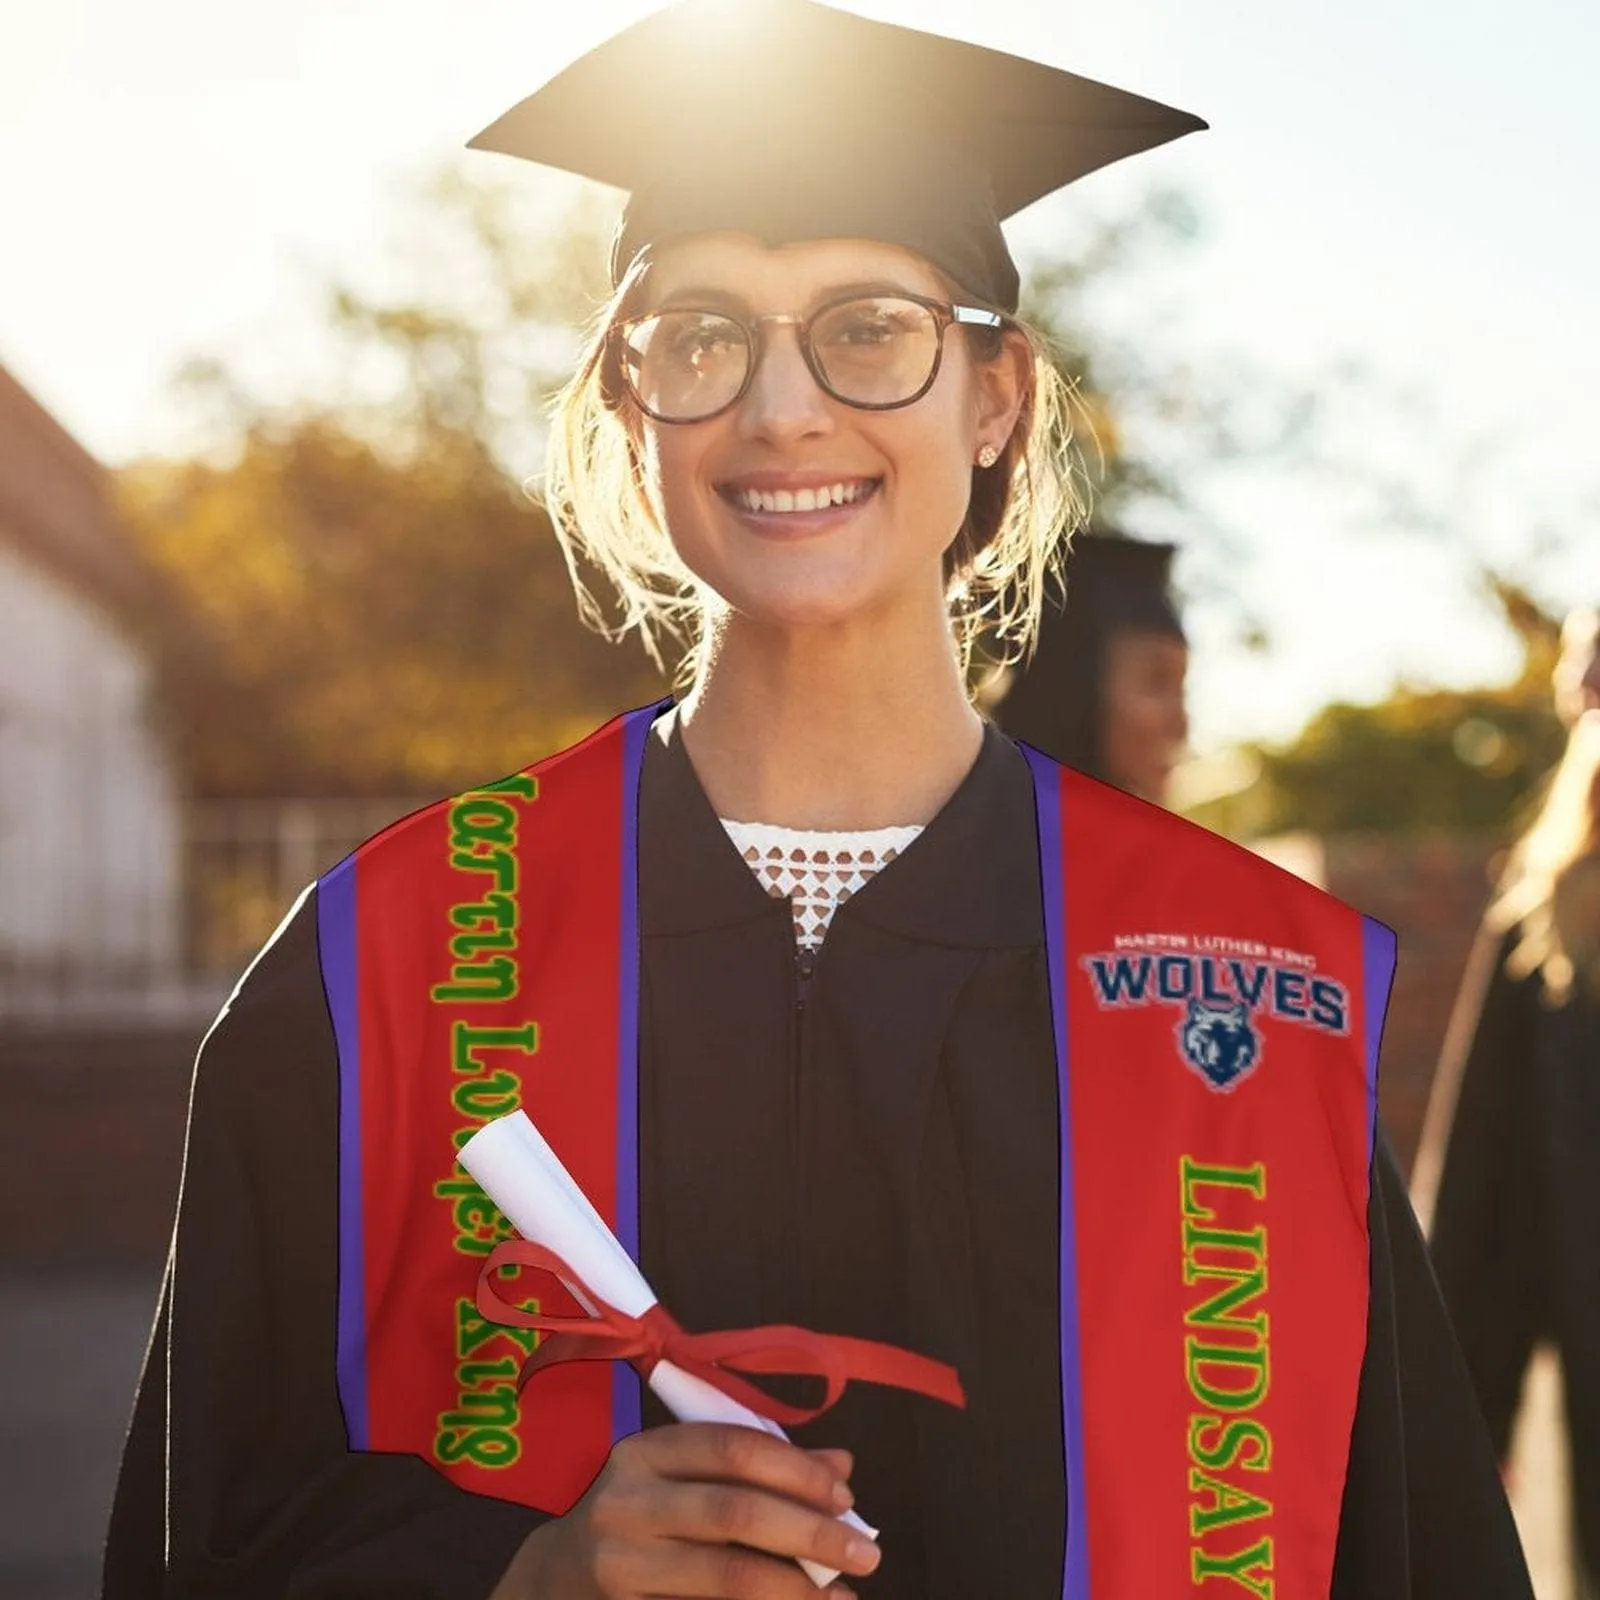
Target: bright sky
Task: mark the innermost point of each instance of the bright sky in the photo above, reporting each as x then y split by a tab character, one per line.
1409	185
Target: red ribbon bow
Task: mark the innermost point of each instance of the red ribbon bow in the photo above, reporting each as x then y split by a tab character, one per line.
718	1358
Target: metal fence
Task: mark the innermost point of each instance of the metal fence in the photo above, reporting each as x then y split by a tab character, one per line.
243	863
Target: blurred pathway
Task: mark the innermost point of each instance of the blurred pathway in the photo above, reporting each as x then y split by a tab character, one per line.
70	1348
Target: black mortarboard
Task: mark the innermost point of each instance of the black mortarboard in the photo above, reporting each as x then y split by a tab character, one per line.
791	120
1114	584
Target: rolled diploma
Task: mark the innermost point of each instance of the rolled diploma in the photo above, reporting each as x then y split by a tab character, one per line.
517	1169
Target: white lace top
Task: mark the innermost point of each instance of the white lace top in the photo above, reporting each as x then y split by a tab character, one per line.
815	870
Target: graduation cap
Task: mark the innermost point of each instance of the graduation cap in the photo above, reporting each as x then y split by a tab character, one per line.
790	120
1114	584
1122	583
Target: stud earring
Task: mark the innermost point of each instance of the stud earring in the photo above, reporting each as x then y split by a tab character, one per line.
988	455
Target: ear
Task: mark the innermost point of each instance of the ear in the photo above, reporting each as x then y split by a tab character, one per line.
1001	387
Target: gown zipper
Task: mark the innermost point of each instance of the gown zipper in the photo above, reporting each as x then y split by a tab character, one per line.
805	961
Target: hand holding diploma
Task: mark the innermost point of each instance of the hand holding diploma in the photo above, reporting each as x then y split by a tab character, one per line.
678	1510
698	1509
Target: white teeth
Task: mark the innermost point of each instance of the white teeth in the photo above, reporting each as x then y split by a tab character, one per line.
781	500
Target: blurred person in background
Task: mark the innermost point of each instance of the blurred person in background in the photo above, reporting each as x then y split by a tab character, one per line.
1104	690
1509	1164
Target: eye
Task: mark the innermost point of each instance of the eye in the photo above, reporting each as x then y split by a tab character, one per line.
693	339
871	324
865	328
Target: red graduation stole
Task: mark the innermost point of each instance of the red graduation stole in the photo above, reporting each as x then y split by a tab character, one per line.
1217	1025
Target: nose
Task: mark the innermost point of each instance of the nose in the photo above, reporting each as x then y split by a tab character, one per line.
1177	710
784	401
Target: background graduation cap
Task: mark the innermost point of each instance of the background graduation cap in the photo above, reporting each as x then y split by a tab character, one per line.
791	120
1113	584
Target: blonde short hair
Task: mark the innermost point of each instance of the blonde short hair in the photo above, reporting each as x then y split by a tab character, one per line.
1023	512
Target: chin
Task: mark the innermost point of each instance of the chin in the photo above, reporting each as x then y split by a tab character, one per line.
1143	786
795	589
798	605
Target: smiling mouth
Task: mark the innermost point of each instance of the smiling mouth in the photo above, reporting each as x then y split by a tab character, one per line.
817	497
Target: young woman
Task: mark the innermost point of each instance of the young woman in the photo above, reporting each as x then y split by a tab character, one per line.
1104	690
847	1014
1509	1157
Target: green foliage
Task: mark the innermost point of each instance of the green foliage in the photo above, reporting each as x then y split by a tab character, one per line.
382	606
371	627
1461	759
1115	381
1159	415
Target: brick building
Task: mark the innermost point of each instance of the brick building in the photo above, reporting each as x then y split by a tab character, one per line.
1431	889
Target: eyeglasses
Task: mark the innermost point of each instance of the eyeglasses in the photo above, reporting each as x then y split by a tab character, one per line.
874	352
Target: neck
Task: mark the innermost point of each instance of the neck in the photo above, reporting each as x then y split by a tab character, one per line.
841	726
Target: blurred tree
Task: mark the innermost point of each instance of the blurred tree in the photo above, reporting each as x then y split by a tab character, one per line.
1155	423
371	626
1466	759
383	607
1120	384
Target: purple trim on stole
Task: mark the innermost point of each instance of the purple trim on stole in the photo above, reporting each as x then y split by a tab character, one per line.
1047	796
336	944
1378	950
626	1415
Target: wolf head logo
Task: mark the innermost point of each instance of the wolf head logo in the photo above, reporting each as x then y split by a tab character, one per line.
1220	1043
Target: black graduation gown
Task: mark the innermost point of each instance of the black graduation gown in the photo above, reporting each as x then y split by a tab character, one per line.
1516	1225
886	1149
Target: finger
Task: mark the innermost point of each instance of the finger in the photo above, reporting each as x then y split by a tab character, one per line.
719	1453
710	1572
839	1462
729	1514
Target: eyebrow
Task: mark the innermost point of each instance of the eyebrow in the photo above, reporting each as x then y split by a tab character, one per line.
706	296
